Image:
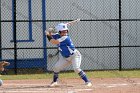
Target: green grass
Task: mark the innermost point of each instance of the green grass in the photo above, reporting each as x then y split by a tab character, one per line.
116	74
90	74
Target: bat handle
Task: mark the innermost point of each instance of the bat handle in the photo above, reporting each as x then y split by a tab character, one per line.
78	19
74	21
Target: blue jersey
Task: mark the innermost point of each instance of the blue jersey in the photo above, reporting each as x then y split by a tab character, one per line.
65	46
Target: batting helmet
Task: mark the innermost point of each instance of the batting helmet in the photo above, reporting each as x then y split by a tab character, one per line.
60	27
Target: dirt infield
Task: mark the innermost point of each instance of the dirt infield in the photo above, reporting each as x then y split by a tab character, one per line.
100	85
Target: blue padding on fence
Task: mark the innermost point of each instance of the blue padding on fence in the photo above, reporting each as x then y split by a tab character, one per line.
28	63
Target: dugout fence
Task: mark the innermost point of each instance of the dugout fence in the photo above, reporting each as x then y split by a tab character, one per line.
107	36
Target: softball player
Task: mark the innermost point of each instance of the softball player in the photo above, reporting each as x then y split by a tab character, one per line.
68	54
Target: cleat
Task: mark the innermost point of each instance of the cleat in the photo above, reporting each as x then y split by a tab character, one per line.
53	84
88	84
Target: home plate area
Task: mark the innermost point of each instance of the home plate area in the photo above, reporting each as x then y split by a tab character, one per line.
100	85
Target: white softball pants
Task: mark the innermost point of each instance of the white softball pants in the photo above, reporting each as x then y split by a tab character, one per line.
63	62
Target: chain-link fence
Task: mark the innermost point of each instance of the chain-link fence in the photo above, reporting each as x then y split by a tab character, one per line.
107	35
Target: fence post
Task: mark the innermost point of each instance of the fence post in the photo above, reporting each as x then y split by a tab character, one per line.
44	36
14	35
0	34
120	46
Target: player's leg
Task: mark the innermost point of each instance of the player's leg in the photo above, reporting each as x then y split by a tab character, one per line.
76	62
60	65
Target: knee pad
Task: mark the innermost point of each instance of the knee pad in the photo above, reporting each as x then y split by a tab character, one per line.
77	70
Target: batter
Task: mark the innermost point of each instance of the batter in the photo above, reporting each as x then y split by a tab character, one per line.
68	54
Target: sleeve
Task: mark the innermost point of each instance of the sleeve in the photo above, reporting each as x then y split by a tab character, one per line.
55	36
69	42
62	38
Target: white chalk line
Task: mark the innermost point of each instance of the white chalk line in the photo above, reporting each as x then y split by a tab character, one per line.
45	85
44	91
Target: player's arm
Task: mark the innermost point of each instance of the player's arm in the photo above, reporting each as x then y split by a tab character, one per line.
53	41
